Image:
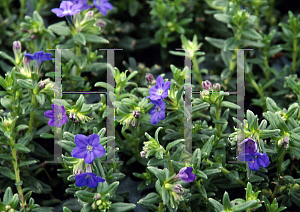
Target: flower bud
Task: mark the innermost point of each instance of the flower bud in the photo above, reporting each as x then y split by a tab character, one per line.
178	189
89	15
217	87
24	30
100	23
94	206
143	154
88	168
97	196
26	61
206	85
17	47
32	37
133	123
7	207
149	77
41	84
136	114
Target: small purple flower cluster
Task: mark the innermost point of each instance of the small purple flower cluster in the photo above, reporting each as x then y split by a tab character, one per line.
73	7
250	153
88	149
157	93
38	57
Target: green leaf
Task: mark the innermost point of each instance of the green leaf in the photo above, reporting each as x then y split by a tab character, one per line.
271	105
244	206
6	157
95	39
268	133
65	209
67	145
79	38
211	171
85	196
120	207
21	148
165	195
60	29
79	103
251	33
37	17
152	198
26	163
69	136
230	105
179	93
14	202
201	106
206	149
219	43
8	195
7	173
105	85
6	56
25	83
172	144
201	174
159	173
217	206
225	18
46	135
226	202
112	188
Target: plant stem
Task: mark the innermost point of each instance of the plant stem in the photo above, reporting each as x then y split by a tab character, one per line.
184	206
218	126
17	170
279	166
32	114
78	52
197	72
257	89
170	164
225	171
161	207
22	9
295	52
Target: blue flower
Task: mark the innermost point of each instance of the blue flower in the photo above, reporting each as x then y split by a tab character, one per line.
61	117
258	159
186	174
160	90
67	8
88	148
83	3
103	6
158	111
39	57
88	179
249	146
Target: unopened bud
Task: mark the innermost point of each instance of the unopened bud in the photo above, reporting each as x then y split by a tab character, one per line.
286	140
133	123
24	30
206	85
217	87
89	15
26	61
136	114
97	196
149	77
88	168
100	23
17	46
32	37
178	189
143	154
41	84
94	206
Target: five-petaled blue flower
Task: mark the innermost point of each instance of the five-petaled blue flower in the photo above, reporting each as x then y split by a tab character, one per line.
103	6
39	57
160	90
249	146
158	111
88	148
257	159
57	115
88	179
186	174
83	3
67	8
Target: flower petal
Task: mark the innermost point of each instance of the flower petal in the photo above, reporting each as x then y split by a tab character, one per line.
49	114
81	181
99	151
159	81
79	152
92	182
93	139
161	115
263	160
89	158
254	166
154	119
81	140
51	122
